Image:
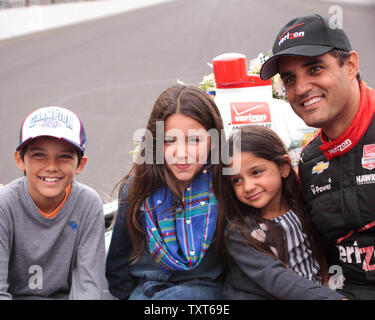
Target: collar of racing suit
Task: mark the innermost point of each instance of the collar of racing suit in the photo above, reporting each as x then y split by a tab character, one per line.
357	128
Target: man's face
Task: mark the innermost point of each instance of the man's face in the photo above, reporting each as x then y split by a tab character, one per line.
318	89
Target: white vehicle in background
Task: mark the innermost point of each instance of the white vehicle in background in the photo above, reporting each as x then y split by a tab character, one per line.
109	210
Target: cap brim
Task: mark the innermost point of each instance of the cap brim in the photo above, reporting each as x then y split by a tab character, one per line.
271	66
24	143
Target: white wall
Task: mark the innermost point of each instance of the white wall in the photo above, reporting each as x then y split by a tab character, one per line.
20	21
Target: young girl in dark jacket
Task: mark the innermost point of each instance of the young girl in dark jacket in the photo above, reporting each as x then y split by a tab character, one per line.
273	251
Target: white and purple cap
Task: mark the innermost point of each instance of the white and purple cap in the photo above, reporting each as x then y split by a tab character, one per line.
55	122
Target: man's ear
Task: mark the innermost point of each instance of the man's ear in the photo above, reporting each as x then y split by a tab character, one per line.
285	166
352	64
20	163
81	166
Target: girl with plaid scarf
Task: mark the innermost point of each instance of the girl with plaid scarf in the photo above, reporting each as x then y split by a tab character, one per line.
163	242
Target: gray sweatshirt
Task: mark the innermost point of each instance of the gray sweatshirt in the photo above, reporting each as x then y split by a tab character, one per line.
58	258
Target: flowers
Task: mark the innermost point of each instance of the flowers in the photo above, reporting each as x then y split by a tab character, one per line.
137	148
278	90
208	84
135	152
256	64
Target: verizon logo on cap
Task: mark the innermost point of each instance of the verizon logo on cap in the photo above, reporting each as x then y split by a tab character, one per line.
289	35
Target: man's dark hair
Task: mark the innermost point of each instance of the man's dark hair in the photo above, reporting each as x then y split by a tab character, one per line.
341	57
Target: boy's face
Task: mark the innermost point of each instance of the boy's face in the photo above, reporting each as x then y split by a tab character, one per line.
50	165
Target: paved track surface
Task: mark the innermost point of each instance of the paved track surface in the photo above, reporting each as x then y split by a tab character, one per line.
111	70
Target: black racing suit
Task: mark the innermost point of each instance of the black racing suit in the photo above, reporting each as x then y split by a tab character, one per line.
338	179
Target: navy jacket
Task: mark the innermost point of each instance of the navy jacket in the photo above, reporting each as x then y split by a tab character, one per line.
146	280
256	276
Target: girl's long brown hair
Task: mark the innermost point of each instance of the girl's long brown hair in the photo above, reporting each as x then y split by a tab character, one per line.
147	178
265	143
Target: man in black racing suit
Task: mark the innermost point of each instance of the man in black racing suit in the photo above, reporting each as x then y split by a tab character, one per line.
337	167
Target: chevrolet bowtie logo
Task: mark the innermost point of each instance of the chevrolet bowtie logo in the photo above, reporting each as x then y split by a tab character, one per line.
320	167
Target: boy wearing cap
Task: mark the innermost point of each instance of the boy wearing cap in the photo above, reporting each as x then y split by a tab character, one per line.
51	226
323	86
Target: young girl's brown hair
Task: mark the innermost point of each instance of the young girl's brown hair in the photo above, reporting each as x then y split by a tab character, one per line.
147	178
265	143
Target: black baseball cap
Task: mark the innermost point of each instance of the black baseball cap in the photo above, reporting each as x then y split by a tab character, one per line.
305	36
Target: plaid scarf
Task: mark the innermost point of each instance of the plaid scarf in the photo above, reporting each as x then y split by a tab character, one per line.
178	239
